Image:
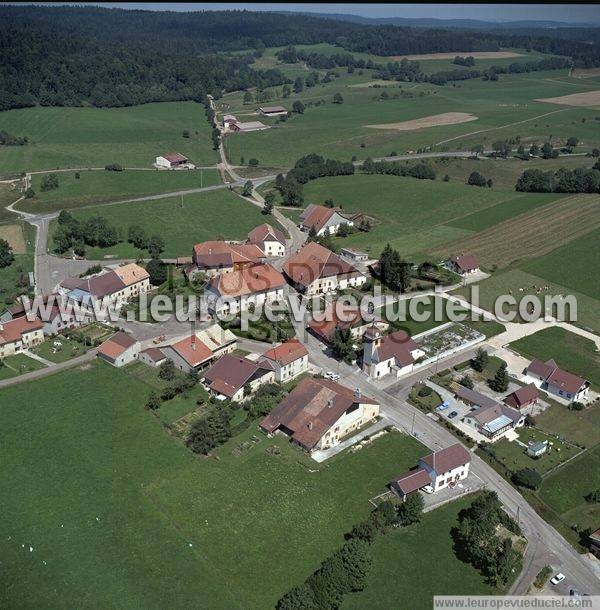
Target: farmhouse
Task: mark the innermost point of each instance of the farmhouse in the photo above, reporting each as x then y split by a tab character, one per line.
228	120
464	265
236	291
341	316
523	398
119	350
395	353
494	420
215	257
57	321
289	359
317	413
248	126
20	334
323	220
152	356
271	241
171	161
117	286
556	381
200	349
317	270
234	378
438	470
273	110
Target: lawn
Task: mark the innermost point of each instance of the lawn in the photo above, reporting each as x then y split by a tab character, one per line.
14	279
93	137
581	427
60	353
211	215
403	568
18	365
119	513
570	351
515	457
565	490
100	186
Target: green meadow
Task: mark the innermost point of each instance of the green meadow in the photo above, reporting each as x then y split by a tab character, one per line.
118	513
180	222
93	137
83	188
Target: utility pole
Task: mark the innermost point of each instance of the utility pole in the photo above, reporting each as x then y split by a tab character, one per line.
412	431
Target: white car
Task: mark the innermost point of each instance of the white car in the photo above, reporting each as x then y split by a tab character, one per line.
329	374
558	578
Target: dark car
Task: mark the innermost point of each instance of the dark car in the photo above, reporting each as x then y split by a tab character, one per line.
453	415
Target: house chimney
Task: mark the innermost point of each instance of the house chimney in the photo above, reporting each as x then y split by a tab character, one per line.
330	403
357	394
310	425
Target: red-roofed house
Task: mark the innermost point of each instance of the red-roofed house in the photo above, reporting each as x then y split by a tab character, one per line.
289	359
464	264
171	160
119	350
558	382
216	257
317	413
394	354
20	334
317	270
236	291
342	316
323	220
200	349
523	398
152	356
271	241
230	376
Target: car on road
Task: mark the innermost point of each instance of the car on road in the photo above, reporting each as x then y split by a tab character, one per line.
331	375
443	406
453	415
558	578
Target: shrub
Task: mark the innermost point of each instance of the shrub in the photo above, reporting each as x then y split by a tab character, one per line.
527	477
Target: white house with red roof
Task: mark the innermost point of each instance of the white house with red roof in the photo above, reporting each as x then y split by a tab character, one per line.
441	469
550	377
215	257
173	161
393	354
323	220
20	334
289	359
271	241
464	264
119	350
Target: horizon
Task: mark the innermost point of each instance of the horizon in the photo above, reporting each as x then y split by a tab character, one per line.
491	13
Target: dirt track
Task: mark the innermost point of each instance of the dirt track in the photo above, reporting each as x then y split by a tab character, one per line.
589	98
446	118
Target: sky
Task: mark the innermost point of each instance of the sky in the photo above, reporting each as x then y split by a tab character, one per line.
572	13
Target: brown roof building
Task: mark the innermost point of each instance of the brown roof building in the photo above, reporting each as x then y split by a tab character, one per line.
271	241
558	381
321	219
523	397
17	330
287	352
382	354
230	374
317	270
464	264
119	350
317	413
213	257
340	316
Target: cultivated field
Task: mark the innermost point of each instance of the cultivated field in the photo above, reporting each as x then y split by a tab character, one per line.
532	234
211	215
94	137
589	98
446	118
101	186
128	517
13	234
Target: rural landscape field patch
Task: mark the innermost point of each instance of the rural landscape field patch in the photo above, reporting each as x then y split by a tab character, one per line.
13	234
446	118
589	98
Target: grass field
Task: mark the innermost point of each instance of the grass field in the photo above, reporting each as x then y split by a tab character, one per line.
17	365
570	351
505	109
93	137
565	490
60	353
581	427
210	215
403	568
128	517
14	279
100	186
418	215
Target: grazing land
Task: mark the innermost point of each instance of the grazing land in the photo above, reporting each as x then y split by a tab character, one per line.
93	137
77	189
212	215
11	366
13	234
446	118
130	518
474	54
589	98
403	557
570	351
14	279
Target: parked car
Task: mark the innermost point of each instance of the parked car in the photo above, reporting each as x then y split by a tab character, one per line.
453	415
558	578
443	406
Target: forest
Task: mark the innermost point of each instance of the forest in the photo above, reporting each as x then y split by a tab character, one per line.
73	56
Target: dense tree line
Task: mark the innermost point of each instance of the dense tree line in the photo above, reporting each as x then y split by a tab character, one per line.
422	171
578	180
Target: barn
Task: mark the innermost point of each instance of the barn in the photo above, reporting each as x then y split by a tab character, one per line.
171	160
